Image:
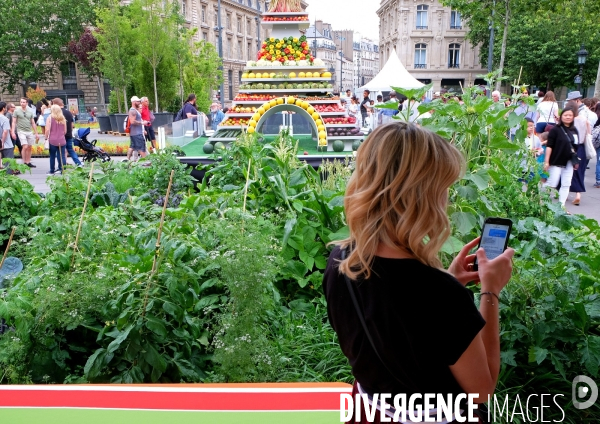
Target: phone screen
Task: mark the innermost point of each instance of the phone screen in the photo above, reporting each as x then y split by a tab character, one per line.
493	239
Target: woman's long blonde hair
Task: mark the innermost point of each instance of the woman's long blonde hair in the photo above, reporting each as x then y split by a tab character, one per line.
57	115
398	196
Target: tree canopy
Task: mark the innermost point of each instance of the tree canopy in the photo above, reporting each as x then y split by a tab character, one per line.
34	35
543	37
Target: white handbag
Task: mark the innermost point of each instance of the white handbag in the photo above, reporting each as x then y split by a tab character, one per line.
590	152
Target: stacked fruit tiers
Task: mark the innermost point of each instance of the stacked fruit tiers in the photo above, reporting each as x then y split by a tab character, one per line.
287	77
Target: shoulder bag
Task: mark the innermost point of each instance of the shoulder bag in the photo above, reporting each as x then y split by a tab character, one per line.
590	150
574	158
549	125
596	137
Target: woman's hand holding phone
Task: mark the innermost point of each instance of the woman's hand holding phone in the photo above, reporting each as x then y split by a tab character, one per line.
495	274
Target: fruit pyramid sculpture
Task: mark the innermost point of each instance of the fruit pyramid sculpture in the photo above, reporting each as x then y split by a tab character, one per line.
287	77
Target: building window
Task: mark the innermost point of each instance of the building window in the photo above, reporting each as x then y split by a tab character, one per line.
421	56
230	75
240	51
228	21
229	47
205	36
249	51
422	16
454	56
183	8
455	20
240	77
216	18
203	14
258	5
239	24
250	3
69	76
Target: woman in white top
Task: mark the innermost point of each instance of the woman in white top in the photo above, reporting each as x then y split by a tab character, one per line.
546	112
354	111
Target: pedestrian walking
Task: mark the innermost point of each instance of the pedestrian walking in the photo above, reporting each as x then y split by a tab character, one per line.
69	134
56	130
148	116
559	153
582	125
24	127
546	113
136	129
365	106
44	114
6	146
10	109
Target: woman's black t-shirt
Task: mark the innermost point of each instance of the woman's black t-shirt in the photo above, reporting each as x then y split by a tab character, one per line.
560	140
421	320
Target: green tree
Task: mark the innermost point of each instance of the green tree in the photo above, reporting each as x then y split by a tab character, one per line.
33	37
202	75
115	48
166	78
154	22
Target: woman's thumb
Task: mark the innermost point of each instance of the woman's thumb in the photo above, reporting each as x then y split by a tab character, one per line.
481	256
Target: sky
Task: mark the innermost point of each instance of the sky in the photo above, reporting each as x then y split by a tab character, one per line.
359	15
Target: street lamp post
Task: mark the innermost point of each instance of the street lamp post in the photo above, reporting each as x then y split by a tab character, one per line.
582	55
258	41
220	29
341	54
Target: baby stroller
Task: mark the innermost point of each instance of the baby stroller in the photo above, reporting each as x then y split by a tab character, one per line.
92	152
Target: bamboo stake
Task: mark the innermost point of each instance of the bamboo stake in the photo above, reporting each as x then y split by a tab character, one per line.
87	196
12	233
162	222
157	248
246	188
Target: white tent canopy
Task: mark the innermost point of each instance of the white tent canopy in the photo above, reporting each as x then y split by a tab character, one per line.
393	74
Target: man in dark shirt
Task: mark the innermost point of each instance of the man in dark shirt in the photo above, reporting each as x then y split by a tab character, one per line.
365	106
69	135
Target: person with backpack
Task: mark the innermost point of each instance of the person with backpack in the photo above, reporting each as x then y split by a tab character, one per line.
188	110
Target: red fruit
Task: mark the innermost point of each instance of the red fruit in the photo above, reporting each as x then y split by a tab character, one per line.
305	152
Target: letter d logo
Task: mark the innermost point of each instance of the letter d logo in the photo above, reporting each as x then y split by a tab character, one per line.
581	392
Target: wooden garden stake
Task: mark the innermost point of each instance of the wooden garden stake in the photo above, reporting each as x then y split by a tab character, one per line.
246	188
87	196
162	221
157	248
12	233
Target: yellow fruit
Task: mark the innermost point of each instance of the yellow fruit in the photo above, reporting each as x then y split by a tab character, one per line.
267	106
319	122
256	117
258	75
280	101
326	75
272	74
301	75
321	128
261	110
252	124
273	102
251	75
265	75
251	130
309	75
311	110
304	105
245	75
292	75
291	100
315	116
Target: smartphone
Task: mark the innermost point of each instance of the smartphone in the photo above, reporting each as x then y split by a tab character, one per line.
494	237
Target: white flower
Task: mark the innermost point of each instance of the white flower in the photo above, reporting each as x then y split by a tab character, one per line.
318	62
292	63
251	63
261	62
302	63
275	64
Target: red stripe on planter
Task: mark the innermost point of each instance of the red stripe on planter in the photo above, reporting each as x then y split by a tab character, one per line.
172	401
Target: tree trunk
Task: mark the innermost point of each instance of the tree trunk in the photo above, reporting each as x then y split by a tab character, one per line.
503	49
124	100
155	91
100	91
597	89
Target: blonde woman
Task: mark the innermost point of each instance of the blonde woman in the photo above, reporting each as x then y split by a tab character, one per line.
56	129
423	331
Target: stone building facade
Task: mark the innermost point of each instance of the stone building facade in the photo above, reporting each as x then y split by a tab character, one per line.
430	41
366	60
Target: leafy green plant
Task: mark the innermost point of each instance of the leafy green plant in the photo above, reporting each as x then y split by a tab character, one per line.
18	203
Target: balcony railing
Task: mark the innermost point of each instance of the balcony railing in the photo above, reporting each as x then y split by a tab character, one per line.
422	27
455	26
420	66
453	66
